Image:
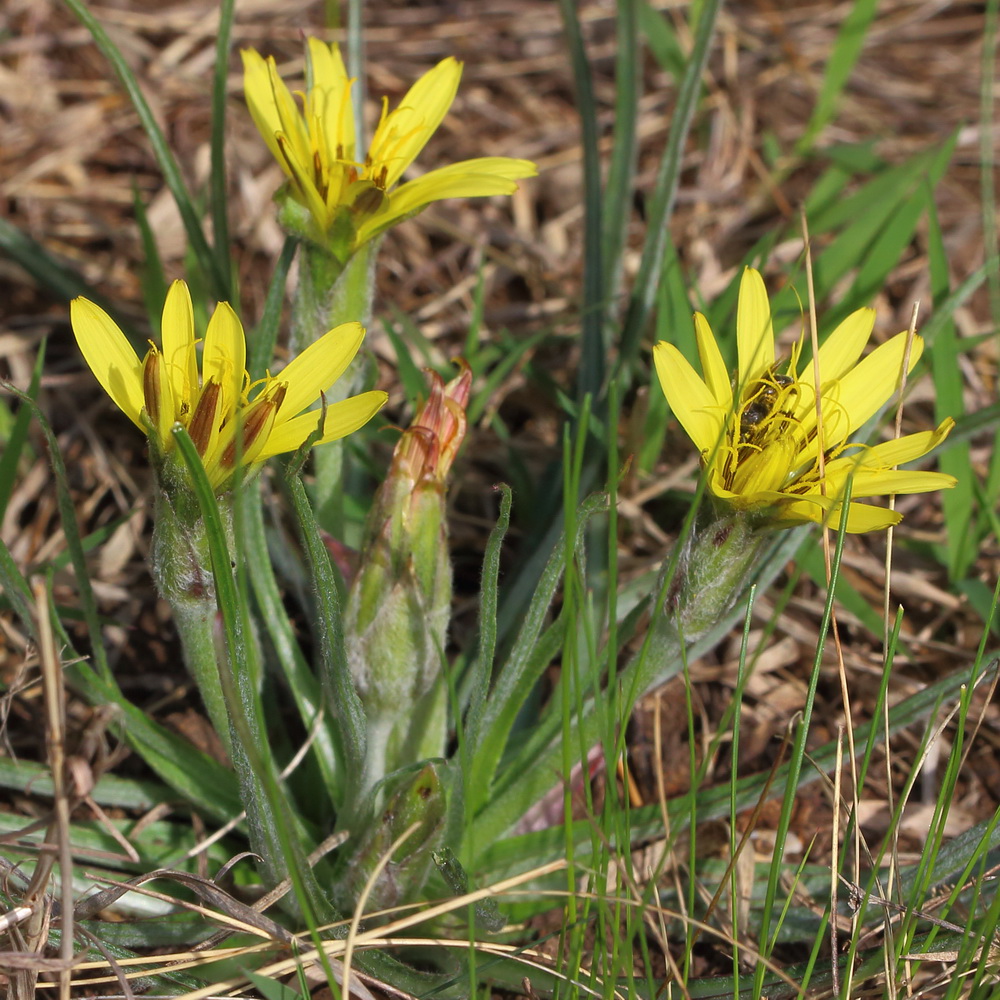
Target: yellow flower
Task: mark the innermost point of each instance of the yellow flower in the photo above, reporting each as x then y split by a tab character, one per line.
758	435
165	388
350	201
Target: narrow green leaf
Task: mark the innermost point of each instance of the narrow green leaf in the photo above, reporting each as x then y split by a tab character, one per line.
342	701
619	189
221	288
275	826
217	183
48	270
15	588
665	191
943	351
482	668
260	354
592	361
514	349
513	685
270	988
110	790
414	383
18	436
879	196
662	40
846	51
301	680
67	515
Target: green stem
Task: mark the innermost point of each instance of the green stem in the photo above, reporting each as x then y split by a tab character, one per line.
330	293
182	569
196	626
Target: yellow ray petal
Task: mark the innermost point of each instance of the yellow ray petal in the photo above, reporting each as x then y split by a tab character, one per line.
179	355
690	399
861	517
873	483
342	418
716	373
330	97
479	178
403	133
754	332
843	347
258	87
225	355
318	367
110	357
292	123
767	469
907	448
303	182
872	382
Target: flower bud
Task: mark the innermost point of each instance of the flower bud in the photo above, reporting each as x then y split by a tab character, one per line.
399	604
419	802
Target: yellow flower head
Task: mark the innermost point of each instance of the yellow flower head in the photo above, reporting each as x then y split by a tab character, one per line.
165	387
348	200
759	437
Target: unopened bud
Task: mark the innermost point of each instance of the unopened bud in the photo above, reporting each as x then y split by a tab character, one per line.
418	806
399	604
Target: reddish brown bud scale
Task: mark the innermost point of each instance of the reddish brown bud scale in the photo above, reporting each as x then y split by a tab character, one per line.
205	415
151	385
256	425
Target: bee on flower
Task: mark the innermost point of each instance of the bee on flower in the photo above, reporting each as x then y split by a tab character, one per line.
334	197
766	452
231	420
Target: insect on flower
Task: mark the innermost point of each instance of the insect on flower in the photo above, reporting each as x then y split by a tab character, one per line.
762	401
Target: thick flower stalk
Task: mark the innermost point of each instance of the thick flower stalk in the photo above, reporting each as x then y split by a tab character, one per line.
399	604
345	200
235	425
768	453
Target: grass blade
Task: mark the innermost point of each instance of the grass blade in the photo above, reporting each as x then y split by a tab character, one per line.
260	351
220	283
342	700
591	372
482	668
515	681
50	272
665	192
219	195
18	436
844	57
